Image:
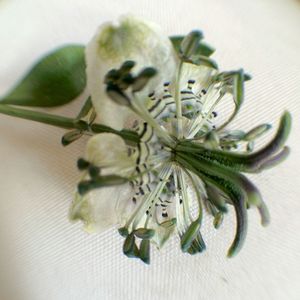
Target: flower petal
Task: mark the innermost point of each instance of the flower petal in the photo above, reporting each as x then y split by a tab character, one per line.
104	207
131	39
106	149
101	208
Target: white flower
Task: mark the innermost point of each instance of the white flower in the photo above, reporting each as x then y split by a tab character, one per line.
163	180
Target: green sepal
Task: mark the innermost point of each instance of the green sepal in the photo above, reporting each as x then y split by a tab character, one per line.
144	252
56	79
144	233
71	137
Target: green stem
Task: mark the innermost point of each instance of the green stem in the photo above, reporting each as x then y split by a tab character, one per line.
64	122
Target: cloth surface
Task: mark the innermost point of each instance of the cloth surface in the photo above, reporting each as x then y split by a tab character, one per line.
44	257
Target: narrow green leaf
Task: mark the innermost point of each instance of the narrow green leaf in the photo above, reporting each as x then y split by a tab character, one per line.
56	79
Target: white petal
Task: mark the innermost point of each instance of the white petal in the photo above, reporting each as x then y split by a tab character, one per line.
106	148
131	39
101	208
104	207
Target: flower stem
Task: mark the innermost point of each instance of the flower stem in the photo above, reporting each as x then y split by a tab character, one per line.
65	122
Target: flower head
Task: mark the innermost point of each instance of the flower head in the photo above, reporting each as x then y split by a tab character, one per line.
184	160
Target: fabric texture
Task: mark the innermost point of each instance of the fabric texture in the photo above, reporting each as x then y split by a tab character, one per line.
45	257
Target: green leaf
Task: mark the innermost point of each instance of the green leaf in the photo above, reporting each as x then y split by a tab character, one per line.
54	80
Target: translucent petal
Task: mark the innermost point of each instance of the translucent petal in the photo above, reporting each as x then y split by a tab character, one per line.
130	39
101	208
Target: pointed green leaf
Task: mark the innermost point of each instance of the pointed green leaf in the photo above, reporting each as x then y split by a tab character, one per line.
56	79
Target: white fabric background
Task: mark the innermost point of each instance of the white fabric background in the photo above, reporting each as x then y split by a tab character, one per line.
44	257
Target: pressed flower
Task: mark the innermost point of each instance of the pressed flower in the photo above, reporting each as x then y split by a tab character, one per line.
185	161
